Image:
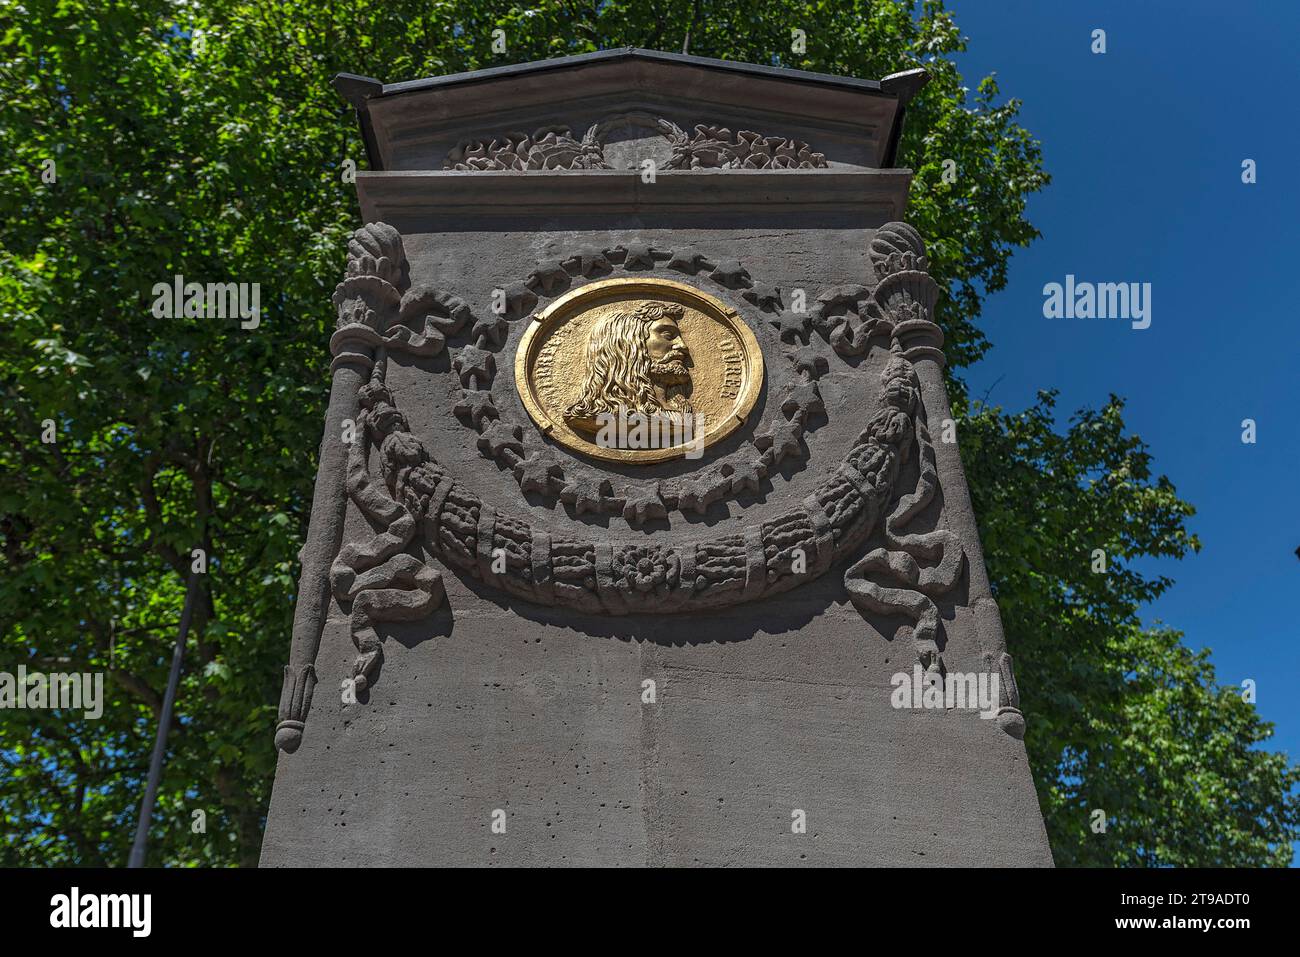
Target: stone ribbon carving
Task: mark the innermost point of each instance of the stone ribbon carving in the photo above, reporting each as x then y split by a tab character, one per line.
381	580
378	579
891	580
710	147
865	581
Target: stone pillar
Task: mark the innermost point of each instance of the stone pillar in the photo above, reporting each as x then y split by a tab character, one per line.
560	642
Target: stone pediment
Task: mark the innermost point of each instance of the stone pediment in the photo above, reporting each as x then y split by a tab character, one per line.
613	109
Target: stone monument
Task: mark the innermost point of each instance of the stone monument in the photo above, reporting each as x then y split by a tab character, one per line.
639	534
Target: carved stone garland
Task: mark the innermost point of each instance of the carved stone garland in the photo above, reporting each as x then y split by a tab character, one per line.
556	148
419	506
502	438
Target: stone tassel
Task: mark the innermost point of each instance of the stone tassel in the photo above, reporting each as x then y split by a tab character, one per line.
323	540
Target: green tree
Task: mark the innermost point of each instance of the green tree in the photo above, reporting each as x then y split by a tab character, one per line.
1123	718
204	139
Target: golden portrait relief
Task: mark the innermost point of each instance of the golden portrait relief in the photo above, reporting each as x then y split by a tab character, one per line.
636	361
638	370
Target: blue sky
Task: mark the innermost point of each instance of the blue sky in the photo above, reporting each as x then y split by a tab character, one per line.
1145	145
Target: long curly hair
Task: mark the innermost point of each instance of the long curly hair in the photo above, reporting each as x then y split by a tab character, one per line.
619	365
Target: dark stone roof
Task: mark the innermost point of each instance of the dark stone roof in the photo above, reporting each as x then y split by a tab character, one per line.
356	89
360	91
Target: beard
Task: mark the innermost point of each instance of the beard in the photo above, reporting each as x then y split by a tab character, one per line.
671	375
669	371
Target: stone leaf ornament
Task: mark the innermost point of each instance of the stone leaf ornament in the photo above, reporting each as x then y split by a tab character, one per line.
557	148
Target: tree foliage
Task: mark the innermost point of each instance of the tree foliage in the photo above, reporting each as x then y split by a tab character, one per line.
1123	719
203	139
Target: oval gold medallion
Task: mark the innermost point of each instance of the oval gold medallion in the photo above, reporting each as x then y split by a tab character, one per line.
638	370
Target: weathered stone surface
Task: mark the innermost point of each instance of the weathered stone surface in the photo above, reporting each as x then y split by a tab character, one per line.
491	603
